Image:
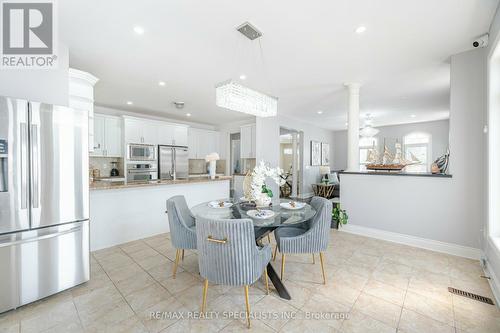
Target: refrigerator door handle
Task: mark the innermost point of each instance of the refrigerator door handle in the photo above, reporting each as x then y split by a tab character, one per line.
35	169
37	238
173	163
23	160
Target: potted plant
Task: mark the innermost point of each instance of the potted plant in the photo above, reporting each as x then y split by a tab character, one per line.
339	216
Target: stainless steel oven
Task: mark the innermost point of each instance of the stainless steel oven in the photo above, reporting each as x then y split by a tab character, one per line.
140	152
142	172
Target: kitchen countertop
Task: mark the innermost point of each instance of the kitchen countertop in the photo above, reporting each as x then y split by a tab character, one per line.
103	185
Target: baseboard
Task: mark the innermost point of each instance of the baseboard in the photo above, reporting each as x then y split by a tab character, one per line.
488	271
424	243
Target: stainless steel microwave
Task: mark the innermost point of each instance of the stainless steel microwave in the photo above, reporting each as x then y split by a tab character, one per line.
140	152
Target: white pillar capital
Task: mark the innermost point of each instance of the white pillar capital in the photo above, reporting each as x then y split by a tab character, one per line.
353	86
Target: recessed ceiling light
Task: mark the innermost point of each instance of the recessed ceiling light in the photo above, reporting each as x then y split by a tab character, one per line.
130	102
161	83
139	30
188	114
413	116
360	29
320	112
346	123
243	77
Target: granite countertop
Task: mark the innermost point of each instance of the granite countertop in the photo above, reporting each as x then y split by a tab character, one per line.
104	185
394	173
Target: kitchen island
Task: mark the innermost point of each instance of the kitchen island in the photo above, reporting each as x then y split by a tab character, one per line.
121	212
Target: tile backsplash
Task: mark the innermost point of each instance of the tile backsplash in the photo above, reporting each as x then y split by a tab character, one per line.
199	166
105	166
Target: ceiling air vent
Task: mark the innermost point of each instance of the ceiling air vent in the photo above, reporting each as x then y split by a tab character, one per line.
249	31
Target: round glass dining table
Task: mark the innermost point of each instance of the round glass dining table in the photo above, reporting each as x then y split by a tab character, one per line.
239	210
282	217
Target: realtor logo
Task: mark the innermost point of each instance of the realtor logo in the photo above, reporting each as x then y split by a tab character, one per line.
28	34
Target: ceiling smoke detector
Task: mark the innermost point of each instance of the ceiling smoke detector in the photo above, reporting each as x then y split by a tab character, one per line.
249	31
179	105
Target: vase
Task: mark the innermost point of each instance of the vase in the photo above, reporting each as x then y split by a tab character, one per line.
263	201
212	167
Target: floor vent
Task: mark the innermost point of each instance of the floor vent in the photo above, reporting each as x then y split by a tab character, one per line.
475	297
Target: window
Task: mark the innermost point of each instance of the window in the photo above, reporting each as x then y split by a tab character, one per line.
417	145
365	144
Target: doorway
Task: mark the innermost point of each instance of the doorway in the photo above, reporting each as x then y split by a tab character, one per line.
290	162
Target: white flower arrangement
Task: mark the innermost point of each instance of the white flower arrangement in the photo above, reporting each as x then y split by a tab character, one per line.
260	193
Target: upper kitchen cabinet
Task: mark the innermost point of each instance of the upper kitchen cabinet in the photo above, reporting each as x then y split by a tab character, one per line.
171	134
202	142
180	135
81	96
247	141
140	131
154	132
107	136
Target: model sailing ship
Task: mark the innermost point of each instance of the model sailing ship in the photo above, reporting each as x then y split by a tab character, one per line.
389	162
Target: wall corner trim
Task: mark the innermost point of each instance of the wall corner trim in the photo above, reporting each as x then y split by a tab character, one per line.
424	243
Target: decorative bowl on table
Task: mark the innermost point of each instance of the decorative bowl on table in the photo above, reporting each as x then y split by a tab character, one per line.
292	205
261	214
220	204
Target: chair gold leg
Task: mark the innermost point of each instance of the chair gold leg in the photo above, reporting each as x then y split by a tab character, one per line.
269	238
275	250
282	266
177	256
204	299
182	254
322	267
266	279
314	260
248	306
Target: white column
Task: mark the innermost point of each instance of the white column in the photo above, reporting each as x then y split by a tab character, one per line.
353	127
295	173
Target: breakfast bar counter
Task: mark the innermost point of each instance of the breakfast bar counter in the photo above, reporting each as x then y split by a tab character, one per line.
122	212
108	185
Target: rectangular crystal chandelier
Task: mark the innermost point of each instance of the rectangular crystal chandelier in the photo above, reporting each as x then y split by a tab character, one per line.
233	96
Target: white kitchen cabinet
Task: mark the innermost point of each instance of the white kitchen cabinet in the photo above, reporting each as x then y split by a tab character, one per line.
133	130
180	135
140	131
154	132
203	142
149	132
98	148
107	140
81	96
247	141
113	136
193	143
165	134
171	134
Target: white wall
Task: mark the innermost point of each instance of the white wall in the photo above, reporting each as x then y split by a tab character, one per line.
39	85
439	130
268	140
491	243
441	210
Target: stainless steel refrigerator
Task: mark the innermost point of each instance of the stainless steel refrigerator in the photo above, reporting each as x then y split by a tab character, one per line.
44	200
173	162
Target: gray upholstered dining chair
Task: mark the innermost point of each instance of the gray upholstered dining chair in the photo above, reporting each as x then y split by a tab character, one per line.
182	227
310	239
228	255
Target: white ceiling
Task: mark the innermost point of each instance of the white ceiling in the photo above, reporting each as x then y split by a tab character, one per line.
309	50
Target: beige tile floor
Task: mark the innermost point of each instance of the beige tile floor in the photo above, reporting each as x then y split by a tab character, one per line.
379	286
